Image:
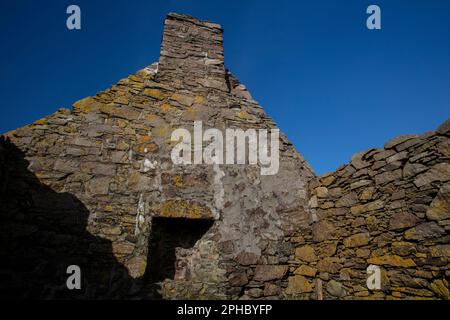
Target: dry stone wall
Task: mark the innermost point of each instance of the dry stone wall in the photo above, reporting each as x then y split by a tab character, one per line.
388	207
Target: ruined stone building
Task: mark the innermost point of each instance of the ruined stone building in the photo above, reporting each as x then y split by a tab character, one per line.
95	186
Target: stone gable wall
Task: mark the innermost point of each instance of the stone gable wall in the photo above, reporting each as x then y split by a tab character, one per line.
111	155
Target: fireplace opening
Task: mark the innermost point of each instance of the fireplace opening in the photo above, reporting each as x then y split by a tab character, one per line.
169	243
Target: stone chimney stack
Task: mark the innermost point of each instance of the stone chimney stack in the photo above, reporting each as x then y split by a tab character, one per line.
192	54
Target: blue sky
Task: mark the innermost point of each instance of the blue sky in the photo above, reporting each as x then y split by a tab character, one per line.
333	86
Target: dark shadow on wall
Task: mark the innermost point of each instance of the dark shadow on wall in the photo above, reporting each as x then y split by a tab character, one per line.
42	232
170	246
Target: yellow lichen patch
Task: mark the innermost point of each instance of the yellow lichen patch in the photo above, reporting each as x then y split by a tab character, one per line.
243	115
177	181
165	107
395	261
154	93
108	208
199	100
84	105
40	122
184	209
136	78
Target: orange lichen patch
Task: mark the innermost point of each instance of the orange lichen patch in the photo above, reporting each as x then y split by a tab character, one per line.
143	139
85	105
184	209
40	122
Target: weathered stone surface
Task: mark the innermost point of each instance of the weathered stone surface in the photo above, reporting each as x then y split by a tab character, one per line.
269	272
246	258
403	248
238	279
403	220
136	266
440	251
392	260
413	169
357	240
336	289
396	141
440	287
123	248
424	231
322	230
347	200
98	186
357	161
328	180
298	284
330	265
444	128
440	207
439	172
306	253
388	176
371	206
305	270
322	192
271	289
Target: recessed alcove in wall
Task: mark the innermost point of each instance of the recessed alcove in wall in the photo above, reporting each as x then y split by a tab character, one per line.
169	236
